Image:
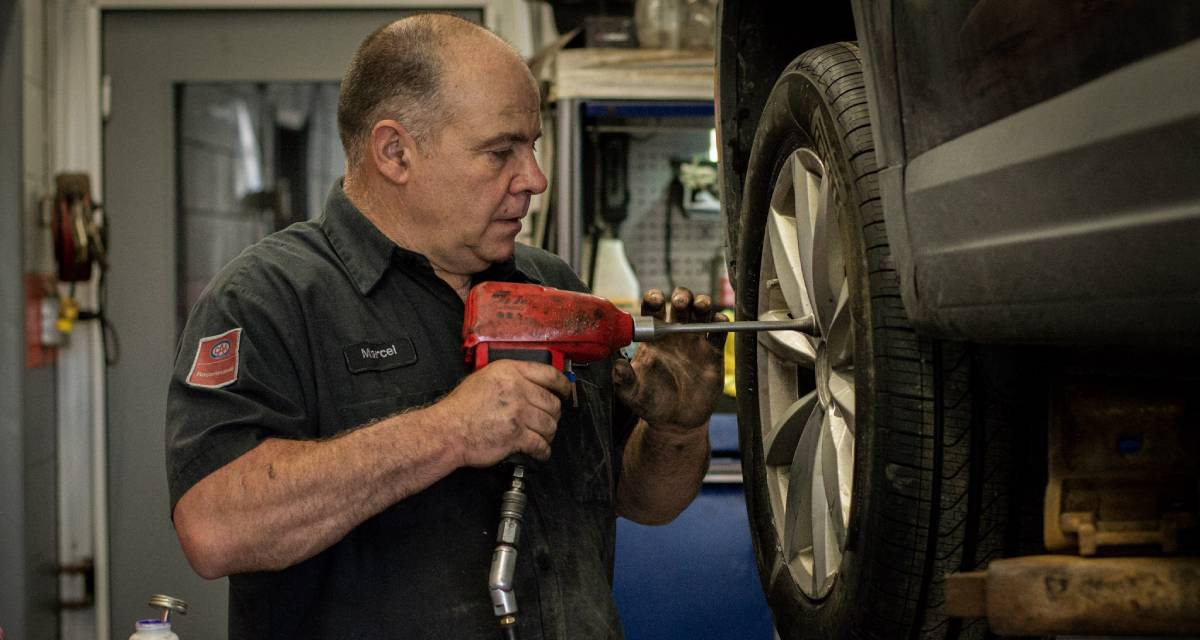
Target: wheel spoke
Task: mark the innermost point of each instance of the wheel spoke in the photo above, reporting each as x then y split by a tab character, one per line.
825	552
785	256
789	346
842	438
839	335
806	197
834	474
824	261
841	390
806	175
798	528
831	554
780	442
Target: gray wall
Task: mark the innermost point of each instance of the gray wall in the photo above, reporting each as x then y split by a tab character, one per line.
27	428
12	538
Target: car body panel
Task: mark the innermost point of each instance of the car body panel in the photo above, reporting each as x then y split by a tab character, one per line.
1073	221
1062	214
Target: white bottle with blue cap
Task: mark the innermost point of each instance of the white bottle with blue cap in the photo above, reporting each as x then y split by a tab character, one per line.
153	629
159	628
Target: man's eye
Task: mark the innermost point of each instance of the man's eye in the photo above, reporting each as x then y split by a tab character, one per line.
501	154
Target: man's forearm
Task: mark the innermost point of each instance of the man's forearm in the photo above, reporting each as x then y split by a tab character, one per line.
662	471
286	500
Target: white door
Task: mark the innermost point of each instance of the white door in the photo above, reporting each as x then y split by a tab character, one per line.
209	110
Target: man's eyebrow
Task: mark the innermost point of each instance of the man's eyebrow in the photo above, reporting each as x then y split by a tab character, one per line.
514	137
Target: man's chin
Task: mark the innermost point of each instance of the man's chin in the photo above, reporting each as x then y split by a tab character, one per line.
497	252
501	246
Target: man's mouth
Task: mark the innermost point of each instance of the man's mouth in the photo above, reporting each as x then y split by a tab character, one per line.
509	225
512	217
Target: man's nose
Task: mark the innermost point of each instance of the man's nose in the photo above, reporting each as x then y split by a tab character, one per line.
530	178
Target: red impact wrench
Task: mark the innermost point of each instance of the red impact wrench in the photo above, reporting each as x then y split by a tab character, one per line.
506	320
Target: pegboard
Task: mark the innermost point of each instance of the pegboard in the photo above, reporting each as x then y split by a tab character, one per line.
696	241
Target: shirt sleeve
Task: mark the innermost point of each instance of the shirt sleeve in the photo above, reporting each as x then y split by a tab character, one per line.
235	384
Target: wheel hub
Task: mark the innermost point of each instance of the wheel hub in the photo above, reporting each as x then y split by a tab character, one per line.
821	372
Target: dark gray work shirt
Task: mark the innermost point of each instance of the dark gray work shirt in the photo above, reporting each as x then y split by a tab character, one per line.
308	301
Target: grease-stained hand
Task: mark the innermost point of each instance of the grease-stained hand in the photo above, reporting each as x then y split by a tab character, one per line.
507	407
676	380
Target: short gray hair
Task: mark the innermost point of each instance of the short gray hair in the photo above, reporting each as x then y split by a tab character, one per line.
397	73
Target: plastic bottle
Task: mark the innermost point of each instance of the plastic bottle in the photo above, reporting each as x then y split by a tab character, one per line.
614	278
615	281
153	629
698	30
657	23
722	289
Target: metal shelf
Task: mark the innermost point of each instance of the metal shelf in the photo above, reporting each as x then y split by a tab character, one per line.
614	85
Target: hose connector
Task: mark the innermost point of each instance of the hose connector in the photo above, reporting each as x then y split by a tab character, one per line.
508	537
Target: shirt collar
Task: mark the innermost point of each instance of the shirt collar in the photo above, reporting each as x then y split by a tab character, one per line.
362	247
367	253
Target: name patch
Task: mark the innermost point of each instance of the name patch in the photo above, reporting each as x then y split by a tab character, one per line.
216	361
380	356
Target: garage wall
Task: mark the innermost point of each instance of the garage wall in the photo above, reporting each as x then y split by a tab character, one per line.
12	538
41	42
27	397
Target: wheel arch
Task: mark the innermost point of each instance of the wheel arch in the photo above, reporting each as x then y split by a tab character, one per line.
755	42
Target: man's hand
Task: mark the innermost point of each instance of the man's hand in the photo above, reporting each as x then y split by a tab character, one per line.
677	380
506	407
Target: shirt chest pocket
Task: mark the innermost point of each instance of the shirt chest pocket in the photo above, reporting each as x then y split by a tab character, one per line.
377	379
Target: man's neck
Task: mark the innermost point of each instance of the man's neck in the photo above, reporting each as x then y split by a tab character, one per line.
460	283
363	197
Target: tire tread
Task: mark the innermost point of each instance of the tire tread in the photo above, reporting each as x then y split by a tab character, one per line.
913	447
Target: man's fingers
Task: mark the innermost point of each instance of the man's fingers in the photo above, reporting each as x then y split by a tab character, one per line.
653	304
681	305
718	339
543	423
702	308
535	445
545	401
545	376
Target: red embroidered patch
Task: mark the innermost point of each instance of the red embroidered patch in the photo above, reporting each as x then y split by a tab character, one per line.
216	363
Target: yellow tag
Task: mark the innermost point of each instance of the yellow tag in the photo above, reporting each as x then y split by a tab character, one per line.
730	377
68	312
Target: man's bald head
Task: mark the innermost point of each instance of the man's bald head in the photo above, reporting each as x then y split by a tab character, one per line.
398	72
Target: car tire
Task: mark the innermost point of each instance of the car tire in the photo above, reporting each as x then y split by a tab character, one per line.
898	422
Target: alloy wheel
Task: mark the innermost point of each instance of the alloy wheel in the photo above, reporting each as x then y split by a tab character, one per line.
807	386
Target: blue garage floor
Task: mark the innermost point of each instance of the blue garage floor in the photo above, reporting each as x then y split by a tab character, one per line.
695	578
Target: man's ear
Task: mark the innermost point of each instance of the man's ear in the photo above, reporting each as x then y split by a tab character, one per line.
392	149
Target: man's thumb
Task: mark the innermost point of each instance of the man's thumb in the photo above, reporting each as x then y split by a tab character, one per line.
625	382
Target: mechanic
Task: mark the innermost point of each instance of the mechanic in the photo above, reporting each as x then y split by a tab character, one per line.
327	446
